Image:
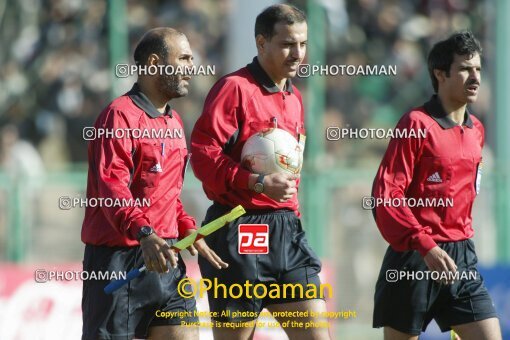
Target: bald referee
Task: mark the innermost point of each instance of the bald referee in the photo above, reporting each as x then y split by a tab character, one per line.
119	239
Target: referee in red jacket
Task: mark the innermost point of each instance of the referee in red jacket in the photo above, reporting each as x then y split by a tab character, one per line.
119	239
429	270
256	97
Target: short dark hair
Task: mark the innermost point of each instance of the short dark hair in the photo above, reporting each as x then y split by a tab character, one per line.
265	22
154	41
153	44
442	54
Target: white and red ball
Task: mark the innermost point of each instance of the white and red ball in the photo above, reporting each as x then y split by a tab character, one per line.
272	150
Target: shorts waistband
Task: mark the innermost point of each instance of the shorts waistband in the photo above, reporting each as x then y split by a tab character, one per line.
224	209
459	242
170	241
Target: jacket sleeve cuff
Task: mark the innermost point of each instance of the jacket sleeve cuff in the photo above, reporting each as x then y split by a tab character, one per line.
241	179
423	243
186	224
136	226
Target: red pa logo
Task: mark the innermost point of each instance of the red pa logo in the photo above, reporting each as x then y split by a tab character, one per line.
253	239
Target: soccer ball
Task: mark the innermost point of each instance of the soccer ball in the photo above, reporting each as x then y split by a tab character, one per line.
272	150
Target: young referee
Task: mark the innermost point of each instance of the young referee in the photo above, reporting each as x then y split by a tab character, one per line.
435	239
258	96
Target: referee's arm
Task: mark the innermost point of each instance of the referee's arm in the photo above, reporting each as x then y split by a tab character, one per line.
398	225
219	123
113	166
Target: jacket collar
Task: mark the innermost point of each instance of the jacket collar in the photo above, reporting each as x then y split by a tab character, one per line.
435	109
263	78
141	100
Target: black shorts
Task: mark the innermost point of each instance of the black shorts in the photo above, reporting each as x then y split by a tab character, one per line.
407	299
289	260
132	309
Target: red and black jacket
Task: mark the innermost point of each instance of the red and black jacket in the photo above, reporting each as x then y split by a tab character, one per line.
445	164
128	168
239	105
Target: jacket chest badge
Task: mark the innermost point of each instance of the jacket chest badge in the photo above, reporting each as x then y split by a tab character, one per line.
478	179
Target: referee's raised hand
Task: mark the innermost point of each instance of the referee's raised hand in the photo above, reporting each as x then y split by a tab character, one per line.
439	261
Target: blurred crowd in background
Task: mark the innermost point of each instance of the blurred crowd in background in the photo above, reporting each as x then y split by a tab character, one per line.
55	74
55	71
